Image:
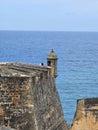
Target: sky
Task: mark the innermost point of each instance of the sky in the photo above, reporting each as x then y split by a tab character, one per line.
49	15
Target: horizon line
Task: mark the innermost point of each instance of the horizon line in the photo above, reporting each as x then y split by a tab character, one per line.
48	30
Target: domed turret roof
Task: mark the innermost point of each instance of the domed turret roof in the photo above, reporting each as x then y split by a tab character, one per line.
52	55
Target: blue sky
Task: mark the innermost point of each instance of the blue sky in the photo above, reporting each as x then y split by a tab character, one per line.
49	15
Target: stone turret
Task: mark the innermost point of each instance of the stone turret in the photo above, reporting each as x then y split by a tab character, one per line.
52	62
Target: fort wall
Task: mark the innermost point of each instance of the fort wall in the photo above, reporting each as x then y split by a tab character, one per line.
29	99
86	117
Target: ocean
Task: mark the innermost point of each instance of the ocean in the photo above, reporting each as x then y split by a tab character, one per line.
77	63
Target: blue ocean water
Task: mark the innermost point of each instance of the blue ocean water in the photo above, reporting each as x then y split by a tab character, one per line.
77	64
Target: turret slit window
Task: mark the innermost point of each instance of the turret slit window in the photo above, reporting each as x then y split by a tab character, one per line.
49	63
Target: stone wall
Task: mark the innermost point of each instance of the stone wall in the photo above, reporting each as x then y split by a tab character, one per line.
29	99
86	117
48	111
15	97
5	128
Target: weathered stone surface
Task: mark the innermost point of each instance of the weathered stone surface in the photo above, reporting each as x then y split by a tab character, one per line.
86	117
29	99
5	128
